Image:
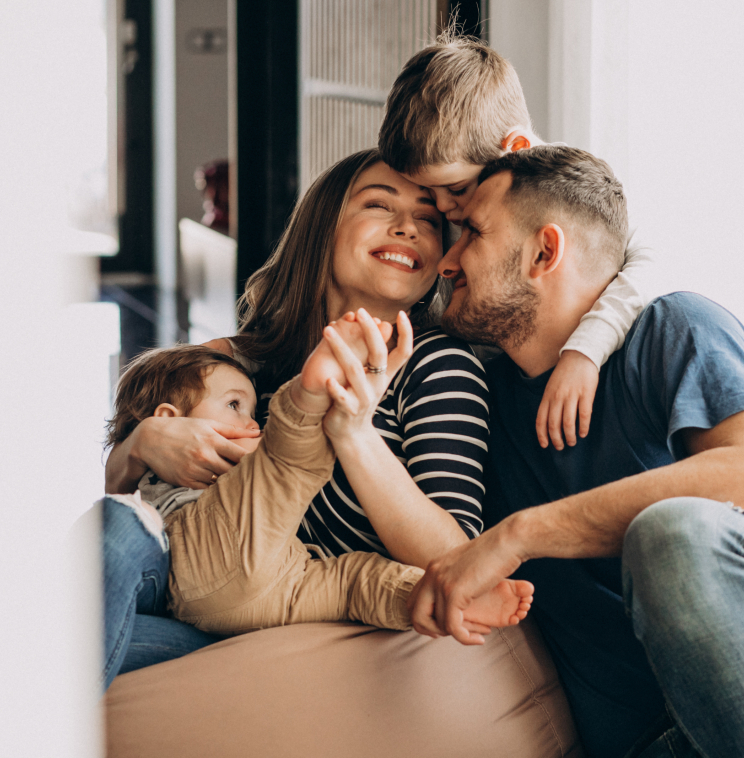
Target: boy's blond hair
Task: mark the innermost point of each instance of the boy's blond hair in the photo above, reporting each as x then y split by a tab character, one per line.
455	100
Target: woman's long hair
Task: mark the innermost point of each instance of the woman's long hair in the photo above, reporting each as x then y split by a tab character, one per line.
283	310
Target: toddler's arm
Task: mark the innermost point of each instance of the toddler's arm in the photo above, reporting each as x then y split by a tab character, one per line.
600	333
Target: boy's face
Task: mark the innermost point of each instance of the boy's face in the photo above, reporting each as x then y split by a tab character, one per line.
452	184
229	397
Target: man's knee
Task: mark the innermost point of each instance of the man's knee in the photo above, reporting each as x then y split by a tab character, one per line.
670	556
672	533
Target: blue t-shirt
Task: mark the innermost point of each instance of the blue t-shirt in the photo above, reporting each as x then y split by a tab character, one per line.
682	366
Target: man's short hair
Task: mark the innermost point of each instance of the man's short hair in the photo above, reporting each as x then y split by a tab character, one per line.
453	101
572	188
172	375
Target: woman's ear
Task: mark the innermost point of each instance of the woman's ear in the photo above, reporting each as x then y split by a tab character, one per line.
548	254
166	410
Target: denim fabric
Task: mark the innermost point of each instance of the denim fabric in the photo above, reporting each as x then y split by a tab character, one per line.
663	740
137	631
683	574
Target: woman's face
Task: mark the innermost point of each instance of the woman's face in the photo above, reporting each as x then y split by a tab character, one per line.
387	247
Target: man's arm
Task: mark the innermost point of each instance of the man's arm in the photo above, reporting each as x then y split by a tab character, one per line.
591	524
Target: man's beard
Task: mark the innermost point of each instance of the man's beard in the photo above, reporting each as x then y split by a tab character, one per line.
505	317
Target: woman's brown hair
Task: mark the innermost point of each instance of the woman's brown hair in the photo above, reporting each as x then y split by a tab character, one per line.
283	310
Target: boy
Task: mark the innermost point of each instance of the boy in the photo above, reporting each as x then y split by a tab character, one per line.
236	563
456	106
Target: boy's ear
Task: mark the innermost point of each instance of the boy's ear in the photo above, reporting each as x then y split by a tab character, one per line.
520	139
549	245
517	139
166	410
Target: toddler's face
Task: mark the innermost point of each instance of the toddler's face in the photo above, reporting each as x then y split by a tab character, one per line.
229	398
452	184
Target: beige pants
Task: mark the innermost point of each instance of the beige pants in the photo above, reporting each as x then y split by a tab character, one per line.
236	562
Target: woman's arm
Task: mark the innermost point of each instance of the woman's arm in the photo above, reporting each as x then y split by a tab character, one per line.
443	415
183	451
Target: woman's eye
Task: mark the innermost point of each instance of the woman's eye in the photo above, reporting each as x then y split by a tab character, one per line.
376	204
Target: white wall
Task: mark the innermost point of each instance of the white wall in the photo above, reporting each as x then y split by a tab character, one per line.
655	89
48	635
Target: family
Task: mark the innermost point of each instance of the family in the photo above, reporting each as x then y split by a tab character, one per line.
400	483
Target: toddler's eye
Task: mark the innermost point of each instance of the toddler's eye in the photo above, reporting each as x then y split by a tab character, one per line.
234	404
459	192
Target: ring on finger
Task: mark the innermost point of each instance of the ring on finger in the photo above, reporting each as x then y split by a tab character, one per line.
375	369
213	479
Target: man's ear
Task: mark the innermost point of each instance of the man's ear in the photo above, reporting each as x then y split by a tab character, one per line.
548	253
519	139
166	410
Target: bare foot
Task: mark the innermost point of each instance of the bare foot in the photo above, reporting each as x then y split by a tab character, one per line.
506	604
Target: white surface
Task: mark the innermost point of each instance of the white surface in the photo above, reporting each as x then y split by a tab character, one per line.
654	89
210	271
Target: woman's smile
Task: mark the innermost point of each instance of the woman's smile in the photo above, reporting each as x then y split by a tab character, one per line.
398	256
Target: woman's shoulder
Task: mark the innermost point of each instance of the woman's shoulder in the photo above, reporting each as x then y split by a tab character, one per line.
435	342
439	359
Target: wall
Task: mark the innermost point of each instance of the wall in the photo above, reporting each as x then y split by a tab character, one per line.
201	98
654	89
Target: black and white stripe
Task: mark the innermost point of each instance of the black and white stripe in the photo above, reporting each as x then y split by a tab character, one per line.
434	417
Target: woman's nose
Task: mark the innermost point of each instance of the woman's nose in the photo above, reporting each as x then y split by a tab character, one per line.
405	226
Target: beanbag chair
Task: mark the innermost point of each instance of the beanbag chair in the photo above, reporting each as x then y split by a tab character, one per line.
345	690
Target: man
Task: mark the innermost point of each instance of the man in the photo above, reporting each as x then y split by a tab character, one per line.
659	480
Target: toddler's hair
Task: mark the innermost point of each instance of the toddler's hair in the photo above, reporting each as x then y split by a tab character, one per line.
552	183
455	100
169	375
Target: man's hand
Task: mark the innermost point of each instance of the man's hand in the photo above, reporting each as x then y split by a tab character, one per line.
452	582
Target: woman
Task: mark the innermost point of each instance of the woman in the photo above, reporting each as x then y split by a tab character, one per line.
362	236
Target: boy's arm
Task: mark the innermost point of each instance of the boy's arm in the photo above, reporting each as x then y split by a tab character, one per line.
570	392
602	330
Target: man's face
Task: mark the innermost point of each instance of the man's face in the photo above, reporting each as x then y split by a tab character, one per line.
452	184
493	302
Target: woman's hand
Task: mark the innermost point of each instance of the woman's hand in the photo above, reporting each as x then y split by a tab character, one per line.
571	388
354	406
182	451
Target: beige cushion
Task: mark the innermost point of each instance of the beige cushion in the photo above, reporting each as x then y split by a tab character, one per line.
345	690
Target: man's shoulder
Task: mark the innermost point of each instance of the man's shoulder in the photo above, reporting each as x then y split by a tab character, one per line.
680	321
682	311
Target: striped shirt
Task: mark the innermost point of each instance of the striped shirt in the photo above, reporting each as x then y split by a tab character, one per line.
434	417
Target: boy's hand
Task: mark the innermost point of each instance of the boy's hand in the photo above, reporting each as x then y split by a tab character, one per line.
309	389
571	387
355	404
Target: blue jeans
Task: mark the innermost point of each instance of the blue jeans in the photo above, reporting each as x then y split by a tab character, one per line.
137	630
683	575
